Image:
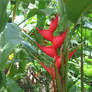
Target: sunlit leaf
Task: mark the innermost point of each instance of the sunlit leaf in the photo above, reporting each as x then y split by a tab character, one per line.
75	8
9	38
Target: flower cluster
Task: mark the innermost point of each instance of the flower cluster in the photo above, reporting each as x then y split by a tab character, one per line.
57	41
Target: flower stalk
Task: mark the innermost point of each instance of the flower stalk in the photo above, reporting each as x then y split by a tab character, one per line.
82	72
59	71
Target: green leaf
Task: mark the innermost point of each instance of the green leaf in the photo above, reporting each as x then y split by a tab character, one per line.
43	4
33	12
32	1
9	38
3	14
28	1
73	66
3	89
88	70
75	8
75	88
22	66
21	54
48	11
36	11
28	47
2	79
12	86
12	71
70	84
3	6
88	60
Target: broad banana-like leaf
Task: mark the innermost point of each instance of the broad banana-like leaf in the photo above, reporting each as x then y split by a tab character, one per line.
75	8
9	38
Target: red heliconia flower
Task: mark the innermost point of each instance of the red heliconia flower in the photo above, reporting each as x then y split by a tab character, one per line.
58	59
58	40
50	71
54	23
58	62
46	34
48	50
71	53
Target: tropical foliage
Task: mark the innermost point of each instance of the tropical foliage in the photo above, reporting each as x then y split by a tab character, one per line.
45	45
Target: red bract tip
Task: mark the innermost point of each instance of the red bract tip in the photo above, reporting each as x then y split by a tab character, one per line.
52	73
58	62
71	53
58	40
58	59
48	50
54	24
46	68
45	33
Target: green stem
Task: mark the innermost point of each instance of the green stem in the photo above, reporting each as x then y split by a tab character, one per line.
62	62
66	71
58	79
14	12
61	10
62	52
82	72
53	80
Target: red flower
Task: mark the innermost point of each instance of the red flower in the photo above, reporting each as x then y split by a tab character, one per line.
58	59
56	43
58	40
71	53
48	50
51	71
46	34
54	23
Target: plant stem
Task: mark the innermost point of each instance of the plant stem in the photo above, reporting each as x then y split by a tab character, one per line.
61	10
63	69
82	72
53	80
58	79
14	12
66	71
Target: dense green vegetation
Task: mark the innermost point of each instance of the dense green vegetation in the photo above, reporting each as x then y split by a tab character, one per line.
20	57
